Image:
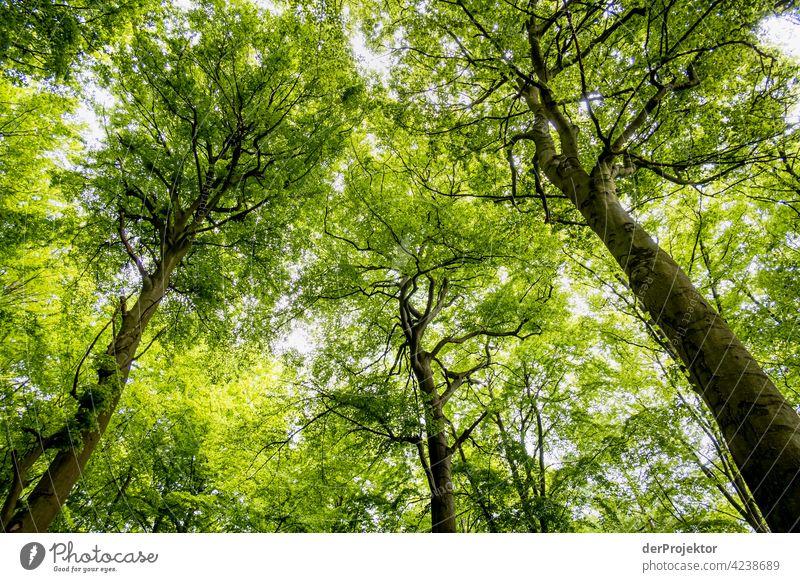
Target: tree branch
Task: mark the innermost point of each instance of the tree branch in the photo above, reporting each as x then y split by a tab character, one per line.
131	253
465	435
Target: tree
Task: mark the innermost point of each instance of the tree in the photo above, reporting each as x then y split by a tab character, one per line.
716	464
287	293
431	278
591	94
220	117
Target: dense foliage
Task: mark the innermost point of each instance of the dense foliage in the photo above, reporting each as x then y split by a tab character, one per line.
398	266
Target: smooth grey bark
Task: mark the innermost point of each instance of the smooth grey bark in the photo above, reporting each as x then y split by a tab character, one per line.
760	427
438	464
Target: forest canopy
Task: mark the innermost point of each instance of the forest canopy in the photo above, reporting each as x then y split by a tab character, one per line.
399	266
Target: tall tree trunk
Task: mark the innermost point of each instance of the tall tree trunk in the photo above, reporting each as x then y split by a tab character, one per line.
54	486
760	428
20	471
443	505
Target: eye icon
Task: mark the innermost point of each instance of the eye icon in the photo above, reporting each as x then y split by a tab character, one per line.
31	555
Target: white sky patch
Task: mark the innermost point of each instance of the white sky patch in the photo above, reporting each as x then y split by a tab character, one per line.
298	339
578	305
783	34
86	114
272	7
367	59
338	182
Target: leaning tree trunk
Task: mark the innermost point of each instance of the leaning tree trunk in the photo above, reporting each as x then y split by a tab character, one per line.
54	486
760	427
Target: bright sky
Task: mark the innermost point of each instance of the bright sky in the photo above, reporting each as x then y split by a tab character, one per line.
784	34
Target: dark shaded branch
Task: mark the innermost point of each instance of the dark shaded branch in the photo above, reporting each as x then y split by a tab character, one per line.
482	332
465	435
599	40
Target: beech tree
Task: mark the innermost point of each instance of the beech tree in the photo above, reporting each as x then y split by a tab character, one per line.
431	283
498	278
219	116
582	96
